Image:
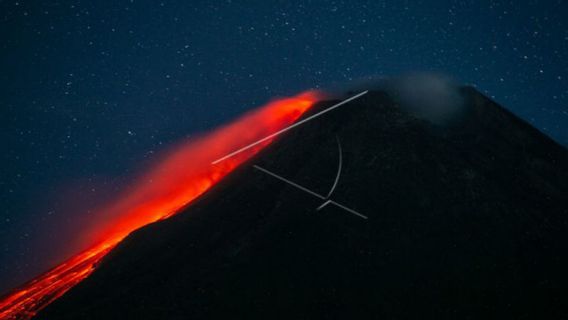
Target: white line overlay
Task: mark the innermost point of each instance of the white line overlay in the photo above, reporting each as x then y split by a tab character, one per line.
312	193
290	127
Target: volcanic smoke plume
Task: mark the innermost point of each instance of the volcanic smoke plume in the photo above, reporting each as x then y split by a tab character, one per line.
185	172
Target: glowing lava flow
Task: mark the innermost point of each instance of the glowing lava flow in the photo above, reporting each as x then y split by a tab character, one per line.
184	174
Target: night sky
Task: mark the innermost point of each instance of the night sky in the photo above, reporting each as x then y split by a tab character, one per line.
91	91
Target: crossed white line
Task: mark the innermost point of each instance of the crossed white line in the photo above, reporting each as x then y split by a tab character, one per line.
315	194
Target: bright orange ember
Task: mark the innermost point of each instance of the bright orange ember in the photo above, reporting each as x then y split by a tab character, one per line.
185	173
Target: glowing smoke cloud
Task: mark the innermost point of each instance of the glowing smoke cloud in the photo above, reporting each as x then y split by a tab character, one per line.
184	174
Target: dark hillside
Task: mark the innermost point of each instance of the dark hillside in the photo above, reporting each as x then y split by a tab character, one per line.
464	221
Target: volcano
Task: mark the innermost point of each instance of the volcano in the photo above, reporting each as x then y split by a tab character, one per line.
368	211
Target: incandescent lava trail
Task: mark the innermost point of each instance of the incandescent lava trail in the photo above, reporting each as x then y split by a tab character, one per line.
184	174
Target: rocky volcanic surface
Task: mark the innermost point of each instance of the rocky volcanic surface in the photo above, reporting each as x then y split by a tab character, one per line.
465	220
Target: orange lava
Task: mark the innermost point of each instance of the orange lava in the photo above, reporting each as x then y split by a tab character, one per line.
184	174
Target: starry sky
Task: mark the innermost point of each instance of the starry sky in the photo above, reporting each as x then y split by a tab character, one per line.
91	91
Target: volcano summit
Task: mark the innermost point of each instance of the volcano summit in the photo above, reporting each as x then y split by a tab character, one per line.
464	218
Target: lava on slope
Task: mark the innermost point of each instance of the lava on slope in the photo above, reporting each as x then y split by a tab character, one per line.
185	173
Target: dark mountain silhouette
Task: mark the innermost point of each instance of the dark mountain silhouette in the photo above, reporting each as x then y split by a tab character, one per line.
465	220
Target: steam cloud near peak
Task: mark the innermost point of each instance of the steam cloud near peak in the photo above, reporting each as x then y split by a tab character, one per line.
432	97
429	96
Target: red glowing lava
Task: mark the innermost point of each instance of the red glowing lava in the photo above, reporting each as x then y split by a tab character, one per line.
184	174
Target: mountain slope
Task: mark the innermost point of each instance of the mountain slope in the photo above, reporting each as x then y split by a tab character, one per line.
466	220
